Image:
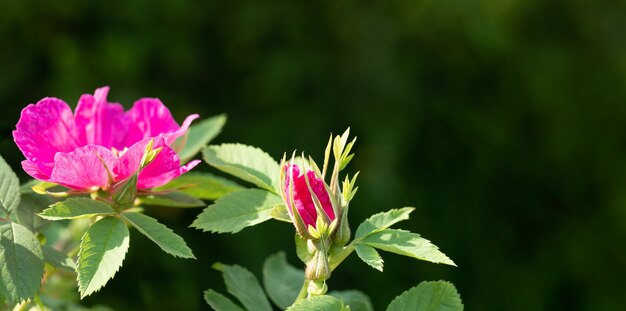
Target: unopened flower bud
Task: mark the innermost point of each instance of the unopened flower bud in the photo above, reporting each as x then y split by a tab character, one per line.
318	267
149	154
308	202
124	192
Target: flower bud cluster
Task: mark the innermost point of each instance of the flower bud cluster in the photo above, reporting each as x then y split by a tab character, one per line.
319	210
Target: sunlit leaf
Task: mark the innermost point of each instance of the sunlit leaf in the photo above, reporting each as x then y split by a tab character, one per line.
102	251
172	199
163	236
9	189
370	256
199	135
408	244
245	162
381	221
237	210
428	296
202	185
21	262
76	208
280	213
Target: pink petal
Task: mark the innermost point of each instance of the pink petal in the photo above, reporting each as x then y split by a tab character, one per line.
165	167
317	185
33	170
100	122
170	138
159	177
149	118
300	194
43	130
302	197
83	168
128	163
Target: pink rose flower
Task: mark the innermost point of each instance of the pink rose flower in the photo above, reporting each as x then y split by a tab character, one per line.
296	191
82	150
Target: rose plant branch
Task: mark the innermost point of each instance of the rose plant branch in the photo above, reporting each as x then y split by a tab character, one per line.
99	167
295	191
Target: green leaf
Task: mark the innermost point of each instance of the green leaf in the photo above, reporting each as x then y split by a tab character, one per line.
326	303
408	244
246	162
281	280
58	259
30	205
280	213
201	185
102	251
302	250
356	300
163	236
9	189
76	208
172	199
218	302
237	210
199	135
370	256
242	284
21	262
382	221
428	296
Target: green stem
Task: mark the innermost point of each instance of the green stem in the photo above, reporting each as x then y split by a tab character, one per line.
340	256
303	291
39	303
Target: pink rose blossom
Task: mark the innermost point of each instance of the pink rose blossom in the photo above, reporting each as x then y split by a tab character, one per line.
76	149
301	196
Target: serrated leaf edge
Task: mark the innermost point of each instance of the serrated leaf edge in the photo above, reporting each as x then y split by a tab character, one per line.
81	288
142	231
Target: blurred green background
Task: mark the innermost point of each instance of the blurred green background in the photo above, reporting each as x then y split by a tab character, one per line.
503	122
